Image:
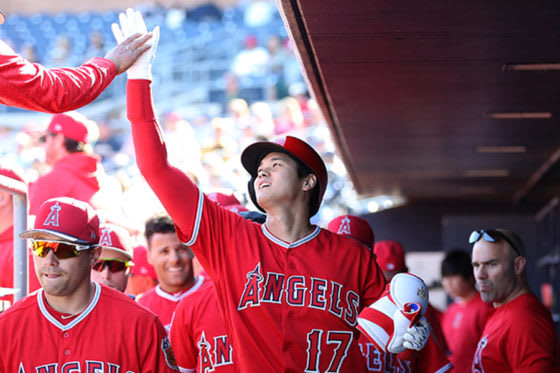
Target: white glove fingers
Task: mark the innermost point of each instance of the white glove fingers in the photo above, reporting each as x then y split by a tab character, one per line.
117	33
140	24
124	25
131	21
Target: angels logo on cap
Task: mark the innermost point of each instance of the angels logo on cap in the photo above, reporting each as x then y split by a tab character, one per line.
353	226
52	218
115	238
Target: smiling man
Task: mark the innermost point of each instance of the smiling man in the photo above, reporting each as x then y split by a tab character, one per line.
73	324
173	263
519	335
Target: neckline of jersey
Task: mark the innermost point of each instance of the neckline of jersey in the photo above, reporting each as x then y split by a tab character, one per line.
289	245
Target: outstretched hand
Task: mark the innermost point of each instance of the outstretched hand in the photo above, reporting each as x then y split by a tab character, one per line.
131	24
126	53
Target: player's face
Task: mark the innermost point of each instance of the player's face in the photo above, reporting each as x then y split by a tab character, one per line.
277	182
116	280
172	261
62	277
456	286
493	265
52	147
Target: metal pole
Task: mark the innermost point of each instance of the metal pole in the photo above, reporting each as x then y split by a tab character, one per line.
21	265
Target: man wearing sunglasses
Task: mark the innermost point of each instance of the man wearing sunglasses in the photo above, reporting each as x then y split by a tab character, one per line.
73	324
113	266
519	335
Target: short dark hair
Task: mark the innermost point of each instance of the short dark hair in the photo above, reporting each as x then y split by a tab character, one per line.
457	262
158	223
73	146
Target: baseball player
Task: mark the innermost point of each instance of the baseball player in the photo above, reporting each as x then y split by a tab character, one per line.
31	86
198	333
173	263
113	266
430	359
519	335
290	300
73	324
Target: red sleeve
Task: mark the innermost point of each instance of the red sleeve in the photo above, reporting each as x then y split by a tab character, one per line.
178	194
159	357
31	86
181	335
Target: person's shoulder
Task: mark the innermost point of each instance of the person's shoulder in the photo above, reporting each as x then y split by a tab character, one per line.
340	241
123	304
146	296
20	308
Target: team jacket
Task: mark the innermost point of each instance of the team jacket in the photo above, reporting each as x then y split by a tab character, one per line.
31	86
198	334
518	337
163	303
113	334
77	175
287	306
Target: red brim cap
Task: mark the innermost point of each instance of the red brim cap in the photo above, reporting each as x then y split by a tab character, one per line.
2	17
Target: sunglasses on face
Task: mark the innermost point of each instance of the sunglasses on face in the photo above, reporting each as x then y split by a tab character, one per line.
114	265
62	250
491	236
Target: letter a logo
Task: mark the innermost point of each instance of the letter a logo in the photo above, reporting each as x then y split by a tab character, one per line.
52	218
344	226
105	239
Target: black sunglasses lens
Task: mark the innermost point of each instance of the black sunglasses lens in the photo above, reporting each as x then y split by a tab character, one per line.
113	265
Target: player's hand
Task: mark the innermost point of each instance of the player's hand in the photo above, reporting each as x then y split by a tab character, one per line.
416	336
126	53
132	23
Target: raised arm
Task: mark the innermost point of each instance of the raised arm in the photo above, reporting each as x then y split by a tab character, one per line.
31	86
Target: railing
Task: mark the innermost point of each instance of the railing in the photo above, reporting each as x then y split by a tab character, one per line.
21	264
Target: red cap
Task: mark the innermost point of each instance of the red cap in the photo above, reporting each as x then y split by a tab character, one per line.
223	199
253	155
390	255
141	266
250	41
67	219
353	226
115	238
72	125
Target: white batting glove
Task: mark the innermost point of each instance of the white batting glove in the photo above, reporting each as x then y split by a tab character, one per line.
416	336
132	23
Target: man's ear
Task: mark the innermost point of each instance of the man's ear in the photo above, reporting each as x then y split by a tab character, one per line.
309	182
519	264
95	254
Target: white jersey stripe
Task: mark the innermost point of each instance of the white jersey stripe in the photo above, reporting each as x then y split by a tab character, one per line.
198	218
297	243
77	320
198	283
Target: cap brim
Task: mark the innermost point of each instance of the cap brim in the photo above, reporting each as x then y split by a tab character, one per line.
47	234
253	154
114	249
2	18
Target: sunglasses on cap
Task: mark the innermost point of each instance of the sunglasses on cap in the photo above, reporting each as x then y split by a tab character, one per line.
62	250
114	265
491	236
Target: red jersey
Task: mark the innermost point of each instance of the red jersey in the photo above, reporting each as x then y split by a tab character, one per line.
518	337
287	306
462	324
113	334
7	267
163	303
81	173
198	334
31	86
431	359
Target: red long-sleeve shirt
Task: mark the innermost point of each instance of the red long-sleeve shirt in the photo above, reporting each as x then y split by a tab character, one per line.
31	86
